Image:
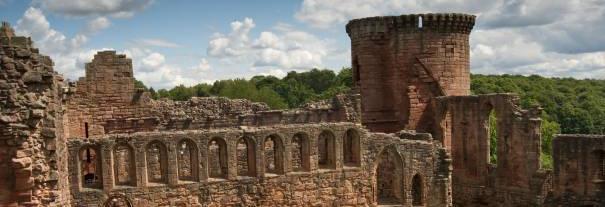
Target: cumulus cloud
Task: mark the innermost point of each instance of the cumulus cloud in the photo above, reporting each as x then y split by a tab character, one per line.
152	61
97	24
113	8
66	52
154	69
158	43
202	67
282	47
547	37
234	43
34	24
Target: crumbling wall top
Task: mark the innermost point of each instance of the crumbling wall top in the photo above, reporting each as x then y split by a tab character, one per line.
6	30
8	38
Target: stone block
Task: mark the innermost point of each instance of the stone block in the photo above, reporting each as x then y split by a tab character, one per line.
23	162
32	77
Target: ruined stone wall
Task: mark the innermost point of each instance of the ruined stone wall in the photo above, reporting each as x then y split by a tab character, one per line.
414	155
106	102
579	171
516	179
401	62
106	93
33	165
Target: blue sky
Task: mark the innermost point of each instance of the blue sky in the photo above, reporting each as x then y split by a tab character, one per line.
187	42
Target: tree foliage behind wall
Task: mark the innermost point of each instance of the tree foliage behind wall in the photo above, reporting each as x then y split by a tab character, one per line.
570	105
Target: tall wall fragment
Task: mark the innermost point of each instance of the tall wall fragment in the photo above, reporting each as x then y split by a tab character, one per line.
33	165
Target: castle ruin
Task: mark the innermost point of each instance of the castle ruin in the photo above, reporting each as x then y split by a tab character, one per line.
408	134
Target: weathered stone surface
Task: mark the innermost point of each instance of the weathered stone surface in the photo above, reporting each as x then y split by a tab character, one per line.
32	77
579	171
398	67
100	141
29	100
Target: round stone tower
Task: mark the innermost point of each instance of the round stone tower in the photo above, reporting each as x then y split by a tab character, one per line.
401	62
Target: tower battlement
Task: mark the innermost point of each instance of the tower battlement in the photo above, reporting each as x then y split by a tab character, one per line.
435	22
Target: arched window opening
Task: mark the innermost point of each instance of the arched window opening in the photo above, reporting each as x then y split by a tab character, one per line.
388	178
326	150
90	164
124	168
217	158
492	128
351	148
187	156
274	153
300	153
246	157
420	22
417	190
157	162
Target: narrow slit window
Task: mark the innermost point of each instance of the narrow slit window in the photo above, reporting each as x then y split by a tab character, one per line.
86	129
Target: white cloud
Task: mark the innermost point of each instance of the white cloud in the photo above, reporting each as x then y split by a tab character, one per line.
114	8
158	43
233	44
64	51
275	72
152	61
153	69
283	47
203	66
34	24
97	24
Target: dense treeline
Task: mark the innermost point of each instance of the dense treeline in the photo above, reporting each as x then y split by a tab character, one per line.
294	90
570	105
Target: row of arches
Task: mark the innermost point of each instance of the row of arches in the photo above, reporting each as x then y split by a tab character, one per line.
274	154
188	158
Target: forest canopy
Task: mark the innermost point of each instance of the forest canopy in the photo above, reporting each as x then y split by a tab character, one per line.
571	106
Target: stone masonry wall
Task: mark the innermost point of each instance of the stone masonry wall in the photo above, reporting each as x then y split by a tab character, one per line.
579	171
33	165
106	93
516	179
401	62
341	186
106	101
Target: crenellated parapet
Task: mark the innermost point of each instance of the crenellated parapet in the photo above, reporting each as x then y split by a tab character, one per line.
413	23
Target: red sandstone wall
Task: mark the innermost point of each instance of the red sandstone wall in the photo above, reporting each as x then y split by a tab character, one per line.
340	186
106	93
106	102
33	164
516	179
399	67
579	166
